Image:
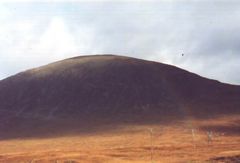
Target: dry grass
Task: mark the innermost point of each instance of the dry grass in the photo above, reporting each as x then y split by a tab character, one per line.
132	144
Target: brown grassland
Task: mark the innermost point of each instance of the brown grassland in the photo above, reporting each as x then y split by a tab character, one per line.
171	143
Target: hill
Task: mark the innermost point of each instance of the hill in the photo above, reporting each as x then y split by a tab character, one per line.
90	93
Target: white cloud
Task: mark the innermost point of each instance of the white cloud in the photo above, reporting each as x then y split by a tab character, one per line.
34	34
55	42
24	46
4	12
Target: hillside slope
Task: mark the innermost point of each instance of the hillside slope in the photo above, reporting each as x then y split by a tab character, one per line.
97	90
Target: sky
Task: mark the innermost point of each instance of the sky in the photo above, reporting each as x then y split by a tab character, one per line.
35	33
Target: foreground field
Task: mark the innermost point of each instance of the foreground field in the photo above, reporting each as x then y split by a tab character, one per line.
181	142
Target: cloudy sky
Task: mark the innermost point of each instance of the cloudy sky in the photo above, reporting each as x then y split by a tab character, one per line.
208	33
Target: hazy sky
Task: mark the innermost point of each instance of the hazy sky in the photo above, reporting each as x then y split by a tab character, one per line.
208	33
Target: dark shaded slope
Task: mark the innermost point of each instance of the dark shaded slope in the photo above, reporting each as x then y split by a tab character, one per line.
94	90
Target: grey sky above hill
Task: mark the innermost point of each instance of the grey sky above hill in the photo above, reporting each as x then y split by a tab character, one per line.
34	33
